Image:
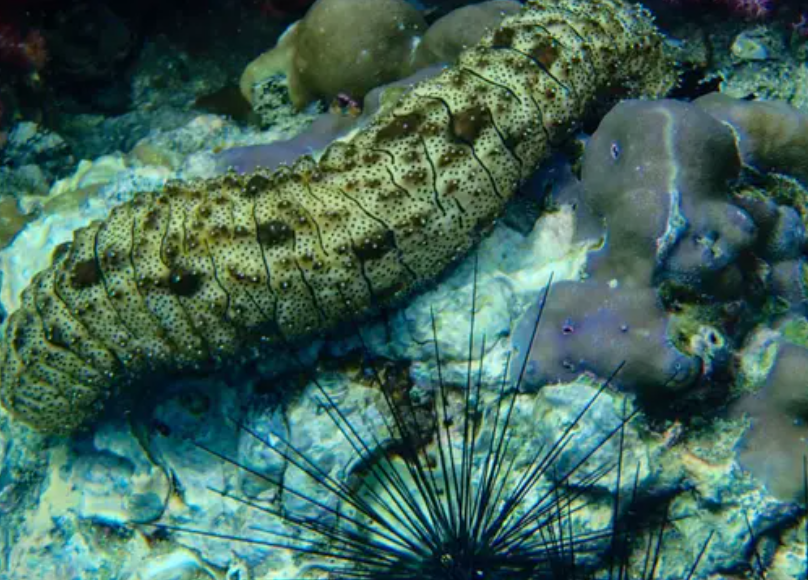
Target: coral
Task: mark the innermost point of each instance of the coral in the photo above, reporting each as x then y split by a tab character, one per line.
672	182
12	220
448	36
658	173
273	66
782	17
308	60
774	446
351	47
325	129
752	45
209	271
590	327
341	47
32	144
270	156
772	136
677	165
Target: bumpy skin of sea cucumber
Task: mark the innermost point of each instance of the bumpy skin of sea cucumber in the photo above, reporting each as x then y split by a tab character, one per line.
200	273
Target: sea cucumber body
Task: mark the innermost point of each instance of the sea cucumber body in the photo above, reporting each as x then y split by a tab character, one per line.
206	271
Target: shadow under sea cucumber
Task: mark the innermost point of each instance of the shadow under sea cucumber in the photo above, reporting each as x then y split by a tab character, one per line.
206	272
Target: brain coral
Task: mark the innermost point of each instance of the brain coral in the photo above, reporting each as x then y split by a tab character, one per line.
209	271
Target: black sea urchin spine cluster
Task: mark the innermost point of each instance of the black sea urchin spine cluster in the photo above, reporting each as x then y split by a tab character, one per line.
468	511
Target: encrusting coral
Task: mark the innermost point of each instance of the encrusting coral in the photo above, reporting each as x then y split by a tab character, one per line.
341	47
774	447
701	275
590	325
210	271
665	177
772	136
462	28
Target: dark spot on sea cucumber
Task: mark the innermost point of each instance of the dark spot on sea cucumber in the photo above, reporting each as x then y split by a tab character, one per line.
112	259
85	274
468	124
375	245
184	283
504	37
449	156
389	292
171	251
274	233
400	126
18	340
545	51
152	220
58	336
431	129
458	80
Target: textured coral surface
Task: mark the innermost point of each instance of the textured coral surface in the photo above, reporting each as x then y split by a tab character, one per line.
208	271
691	228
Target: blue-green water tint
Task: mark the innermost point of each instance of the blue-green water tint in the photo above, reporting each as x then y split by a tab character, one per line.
148	92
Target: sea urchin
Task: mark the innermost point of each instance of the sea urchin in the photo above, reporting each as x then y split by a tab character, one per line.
466	506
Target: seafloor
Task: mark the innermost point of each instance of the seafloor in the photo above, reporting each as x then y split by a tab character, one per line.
686	263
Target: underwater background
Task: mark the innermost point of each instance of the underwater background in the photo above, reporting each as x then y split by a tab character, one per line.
403	289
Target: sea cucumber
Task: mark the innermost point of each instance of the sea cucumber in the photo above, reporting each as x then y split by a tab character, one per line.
210	271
